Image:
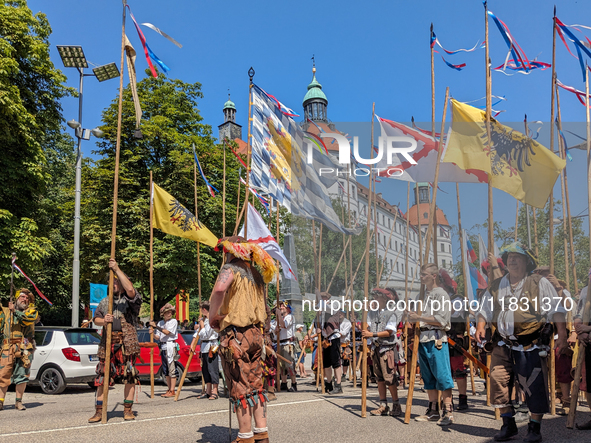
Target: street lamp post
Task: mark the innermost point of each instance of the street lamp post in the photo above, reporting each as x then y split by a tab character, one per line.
73	57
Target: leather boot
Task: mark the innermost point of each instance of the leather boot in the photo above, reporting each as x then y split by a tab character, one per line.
271	393
19	406
337	389
463	403
508	430
533	432
127	412
283	386
262	437
98	415
244	440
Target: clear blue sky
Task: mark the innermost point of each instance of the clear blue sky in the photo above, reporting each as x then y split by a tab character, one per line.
373	51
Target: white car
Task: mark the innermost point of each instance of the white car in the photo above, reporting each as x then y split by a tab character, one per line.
64	355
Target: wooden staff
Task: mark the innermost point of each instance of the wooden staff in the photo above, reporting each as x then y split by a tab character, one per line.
562	153
516	221
434	215
536	233
366	283
109	327
191	354
339	264
527	206
318	336
151	288
551	209
491	239
278	375
432	209
320	348
567	217
224	194
249	150
353	338
466	277
406	276
375	216
570	421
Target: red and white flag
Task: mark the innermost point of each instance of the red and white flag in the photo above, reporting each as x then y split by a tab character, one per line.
426	157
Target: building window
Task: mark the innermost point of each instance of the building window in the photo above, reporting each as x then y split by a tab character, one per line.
397	267
403	268
443	263
442	247
423	195
449	248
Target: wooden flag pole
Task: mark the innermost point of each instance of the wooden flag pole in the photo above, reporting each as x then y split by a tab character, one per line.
466	277
536	233
432	209
562	154
320	348
491	239
406	250
237	206
516	220
375	217
434	215
566	206
551	208
588	156
352	280
151	287
317	290
224	194
248	154
278	374
366	282
527	206
109	328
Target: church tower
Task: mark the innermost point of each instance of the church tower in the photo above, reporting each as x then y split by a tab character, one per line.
315	101
230	129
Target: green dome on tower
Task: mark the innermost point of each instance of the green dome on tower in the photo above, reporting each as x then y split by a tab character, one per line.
314	90
229	105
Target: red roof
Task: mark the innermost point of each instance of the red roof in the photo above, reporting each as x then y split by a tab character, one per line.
325	128
424	214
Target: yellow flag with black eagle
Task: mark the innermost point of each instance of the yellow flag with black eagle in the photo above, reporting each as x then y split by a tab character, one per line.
171	217
515	163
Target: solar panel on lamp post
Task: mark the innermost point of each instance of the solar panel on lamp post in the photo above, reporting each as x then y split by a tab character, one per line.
73	57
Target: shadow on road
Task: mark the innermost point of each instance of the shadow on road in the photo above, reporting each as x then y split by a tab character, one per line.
216	434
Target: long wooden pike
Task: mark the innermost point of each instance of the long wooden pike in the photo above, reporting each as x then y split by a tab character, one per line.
151	286
566	217
320	348
587	310
353	338
465	276
553	89
432	209
366	283
406	276
278	374
109	326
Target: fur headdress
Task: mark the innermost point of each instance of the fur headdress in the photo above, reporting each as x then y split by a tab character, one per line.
240	248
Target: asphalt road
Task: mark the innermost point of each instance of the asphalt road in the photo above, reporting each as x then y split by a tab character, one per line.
305	416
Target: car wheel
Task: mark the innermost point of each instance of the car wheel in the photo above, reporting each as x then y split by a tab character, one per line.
52	381
179	373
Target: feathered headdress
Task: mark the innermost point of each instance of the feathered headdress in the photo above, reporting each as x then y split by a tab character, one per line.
240	248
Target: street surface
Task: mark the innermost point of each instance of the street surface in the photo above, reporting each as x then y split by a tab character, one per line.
305	416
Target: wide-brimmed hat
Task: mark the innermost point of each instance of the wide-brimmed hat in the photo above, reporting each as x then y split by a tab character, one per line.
542	269
167	307
379	292
244	250
518	248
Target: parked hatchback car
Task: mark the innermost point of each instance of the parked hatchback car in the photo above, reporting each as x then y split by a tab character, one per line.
64	355
184	342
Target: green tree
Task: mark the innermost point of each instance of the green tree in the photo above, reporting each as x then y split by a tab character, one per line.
170	126
32	146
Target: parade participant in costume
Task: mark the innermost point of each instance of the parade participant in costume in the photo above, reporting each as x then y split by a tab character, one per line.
125	348
583	335
435	320
563	361
331	349
17	335
459	335
381	333
521	306
210	364
286	344
346	352
166	333
239	311
299	347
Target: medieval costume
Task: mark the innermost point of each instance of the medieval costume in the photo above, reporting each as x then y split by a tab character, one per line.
166	333
583	337
17	335
125	347
520	307
286	349
239	311
383	325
